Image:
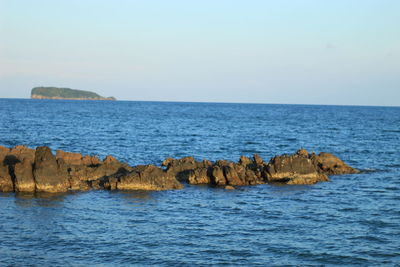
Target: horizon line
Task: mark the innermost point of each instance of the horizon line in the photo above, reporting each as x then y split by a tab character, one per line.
217	102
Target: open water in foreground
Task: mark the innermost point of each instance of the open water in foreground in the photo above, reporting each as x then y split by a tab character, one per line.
352	220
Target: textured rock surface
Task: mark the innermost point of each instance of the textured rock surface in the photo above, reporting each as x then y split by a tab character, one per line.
331	165
6	183
293	169
24	181
27	170
48	176
147	177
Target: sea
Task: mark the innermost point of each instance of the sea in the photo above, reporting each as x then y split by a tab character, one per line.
353	220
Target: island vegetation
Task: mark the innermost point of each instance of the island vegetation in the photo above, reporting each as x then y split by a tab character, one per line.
65	93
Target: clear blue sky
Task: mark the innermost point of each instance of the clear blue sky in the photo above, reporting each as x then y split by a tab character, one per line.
307	52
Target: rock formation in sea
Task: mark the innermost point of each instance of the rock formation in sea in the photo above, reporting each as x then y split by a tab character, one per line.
23	169
65	93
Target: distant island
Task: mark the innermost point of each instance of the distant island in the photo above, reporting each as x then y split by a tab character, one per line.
65	93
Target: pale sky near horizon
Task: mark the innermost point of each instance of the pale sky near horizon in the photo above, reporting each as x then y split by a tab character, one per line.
343	52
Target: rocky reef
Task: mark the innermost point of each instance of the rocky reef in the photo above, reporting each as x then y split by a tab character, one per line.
23	169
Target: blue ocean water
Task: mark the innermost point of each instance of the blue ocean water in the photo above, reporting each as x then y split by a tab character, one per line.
352	220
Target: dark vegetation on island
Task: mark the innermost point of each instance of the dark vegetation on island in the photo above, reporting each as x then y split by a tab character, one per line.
38	170
65	93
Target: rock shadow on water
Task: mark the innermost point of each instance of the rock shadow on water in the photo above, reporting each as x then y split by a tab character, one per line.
40	199
136	197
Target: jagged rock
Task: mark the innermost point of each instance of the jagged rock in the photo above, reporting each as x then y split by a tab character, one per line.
146	177
232	177
48	176
331	165
92	169
217	176
87	172
6	183
257	159
302	152
245	161
3	152
91	160
23	153
25	170
24	181
293	169
110	160
69	158
198	176
184	168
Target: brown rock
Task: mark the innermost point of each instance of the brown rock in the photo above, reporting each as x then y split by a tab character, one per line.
232	177
293	169
24	181
69	157
229	187
308	179
23	152
198	176
147	177
257	159
48	176
252	178
302	152
6	183
91	160
184	168
217	176
245	161
4	151
110	160
331	165
179	165
221	163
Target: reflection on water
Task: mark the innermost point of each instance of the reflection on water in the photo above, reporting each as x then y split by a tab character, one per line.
40	199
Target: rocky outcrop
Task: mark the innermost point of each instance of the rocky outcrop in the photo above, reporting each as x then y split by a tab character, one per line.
27	170
294	169
6	183
148	177
49	177
299	168
24	181
331	165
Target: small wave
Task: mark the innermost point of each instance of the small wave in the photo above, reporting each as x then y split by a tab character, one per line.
251	151
251	143
393	165
391	131
370	170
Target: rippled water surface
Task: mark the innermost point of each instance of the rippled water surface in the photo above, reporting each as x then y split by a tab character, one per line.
352	220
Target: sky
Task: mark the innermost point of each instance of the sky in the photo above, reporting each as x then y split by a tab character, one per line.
341	52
